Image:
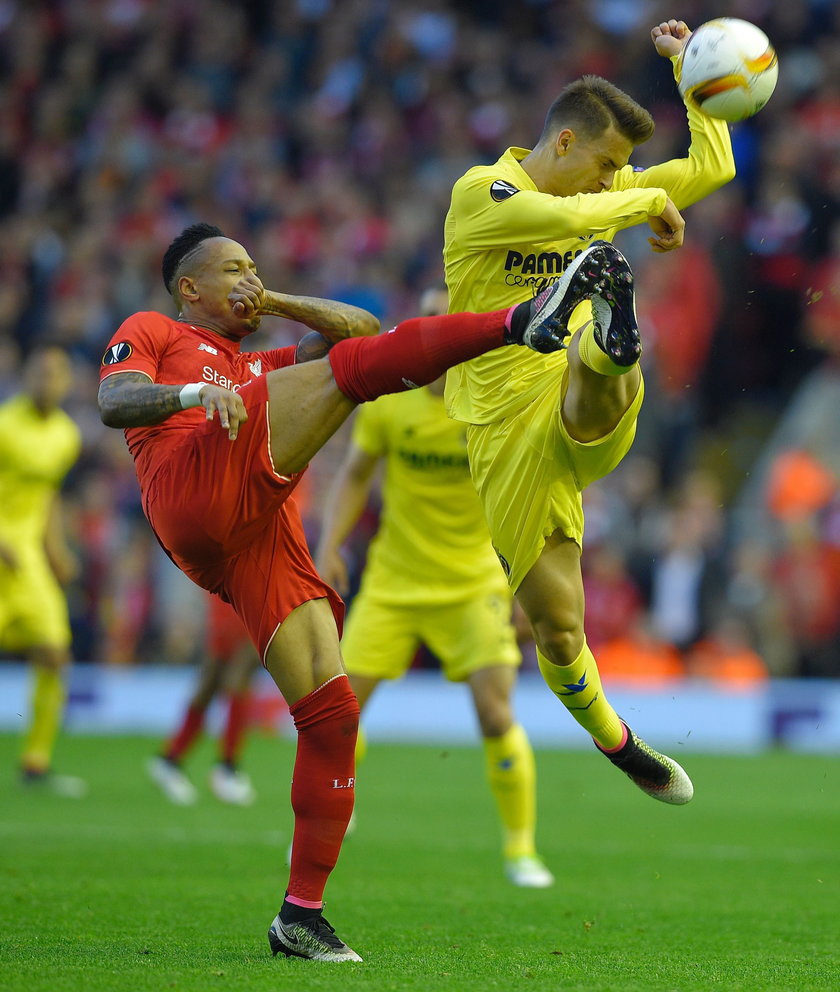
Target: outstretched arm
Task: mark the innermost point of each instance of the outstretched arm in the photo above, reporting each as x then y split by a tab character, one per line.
131	399
709	163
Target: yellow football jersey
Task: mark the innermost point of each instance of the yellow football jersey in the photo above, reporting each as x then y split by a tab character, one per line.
505	241
432	543
36	453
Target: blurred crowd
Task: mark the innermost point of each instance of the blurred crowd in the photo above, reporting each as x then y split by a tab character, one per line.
325	135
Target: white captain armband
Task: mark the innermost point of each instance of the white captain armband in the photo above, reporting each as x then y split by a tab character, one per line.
189	394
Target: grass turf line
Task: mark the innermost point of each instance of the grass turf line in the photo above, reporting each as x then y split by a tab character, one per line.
122	891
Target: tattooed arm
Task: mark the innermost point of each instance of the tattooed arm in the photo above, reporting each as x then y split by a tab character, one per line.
130	399
333	319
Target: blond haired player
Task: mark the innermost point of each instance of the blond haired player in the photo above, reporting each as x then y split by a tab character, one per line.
542	428
432	578
39	444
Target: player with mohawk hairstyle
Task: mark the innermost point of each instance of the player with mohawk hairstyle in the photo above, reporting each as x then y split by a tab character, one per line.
221	438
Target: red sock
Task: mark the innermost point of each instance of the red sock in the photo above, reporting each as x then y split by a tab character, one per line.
414	353
235	727
323	787
186	734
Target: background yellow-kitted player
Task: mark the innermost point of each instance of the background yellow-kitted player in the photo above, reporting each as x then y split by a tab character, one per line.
39	444
431	578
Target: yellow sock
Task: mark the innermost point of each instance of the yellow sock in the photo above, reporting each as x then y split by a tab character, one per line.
511	772
47	707
591	354
578	687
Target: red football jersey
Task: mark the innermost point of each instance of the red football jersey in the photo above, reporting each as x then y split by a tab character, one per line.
172	352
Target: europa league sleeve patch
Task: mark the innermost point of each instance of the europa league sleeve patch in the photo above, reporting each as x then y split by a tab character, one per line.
502	190
117	353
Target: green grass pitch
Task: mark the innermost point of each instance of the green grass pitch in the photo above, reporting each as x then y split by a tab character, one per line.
121	891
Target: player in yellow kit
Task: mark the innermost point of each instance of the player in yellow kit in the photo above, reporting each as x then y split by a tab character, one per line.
542	428
432	578
39	444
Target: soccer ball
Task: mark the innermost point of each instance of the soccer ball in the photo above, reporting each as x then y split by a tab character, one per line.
728	69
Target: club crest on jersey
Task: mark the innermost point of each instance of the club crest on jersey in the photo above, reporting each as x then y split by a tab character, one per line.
502	190
256	368
117	353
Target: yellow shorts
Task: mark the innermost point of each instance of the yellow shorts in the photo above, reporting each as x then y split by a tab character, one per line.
530	475
380	639
33	607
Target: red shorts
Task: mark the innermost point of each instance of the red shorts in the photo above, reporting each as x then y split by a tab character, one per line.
226	634
228	520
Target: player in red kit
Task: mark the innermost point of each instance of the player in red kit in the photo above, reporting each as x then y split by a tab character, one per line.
220	440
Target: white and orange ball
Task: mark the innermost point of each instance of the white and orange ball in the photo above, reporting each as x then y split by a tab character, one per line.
728	69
